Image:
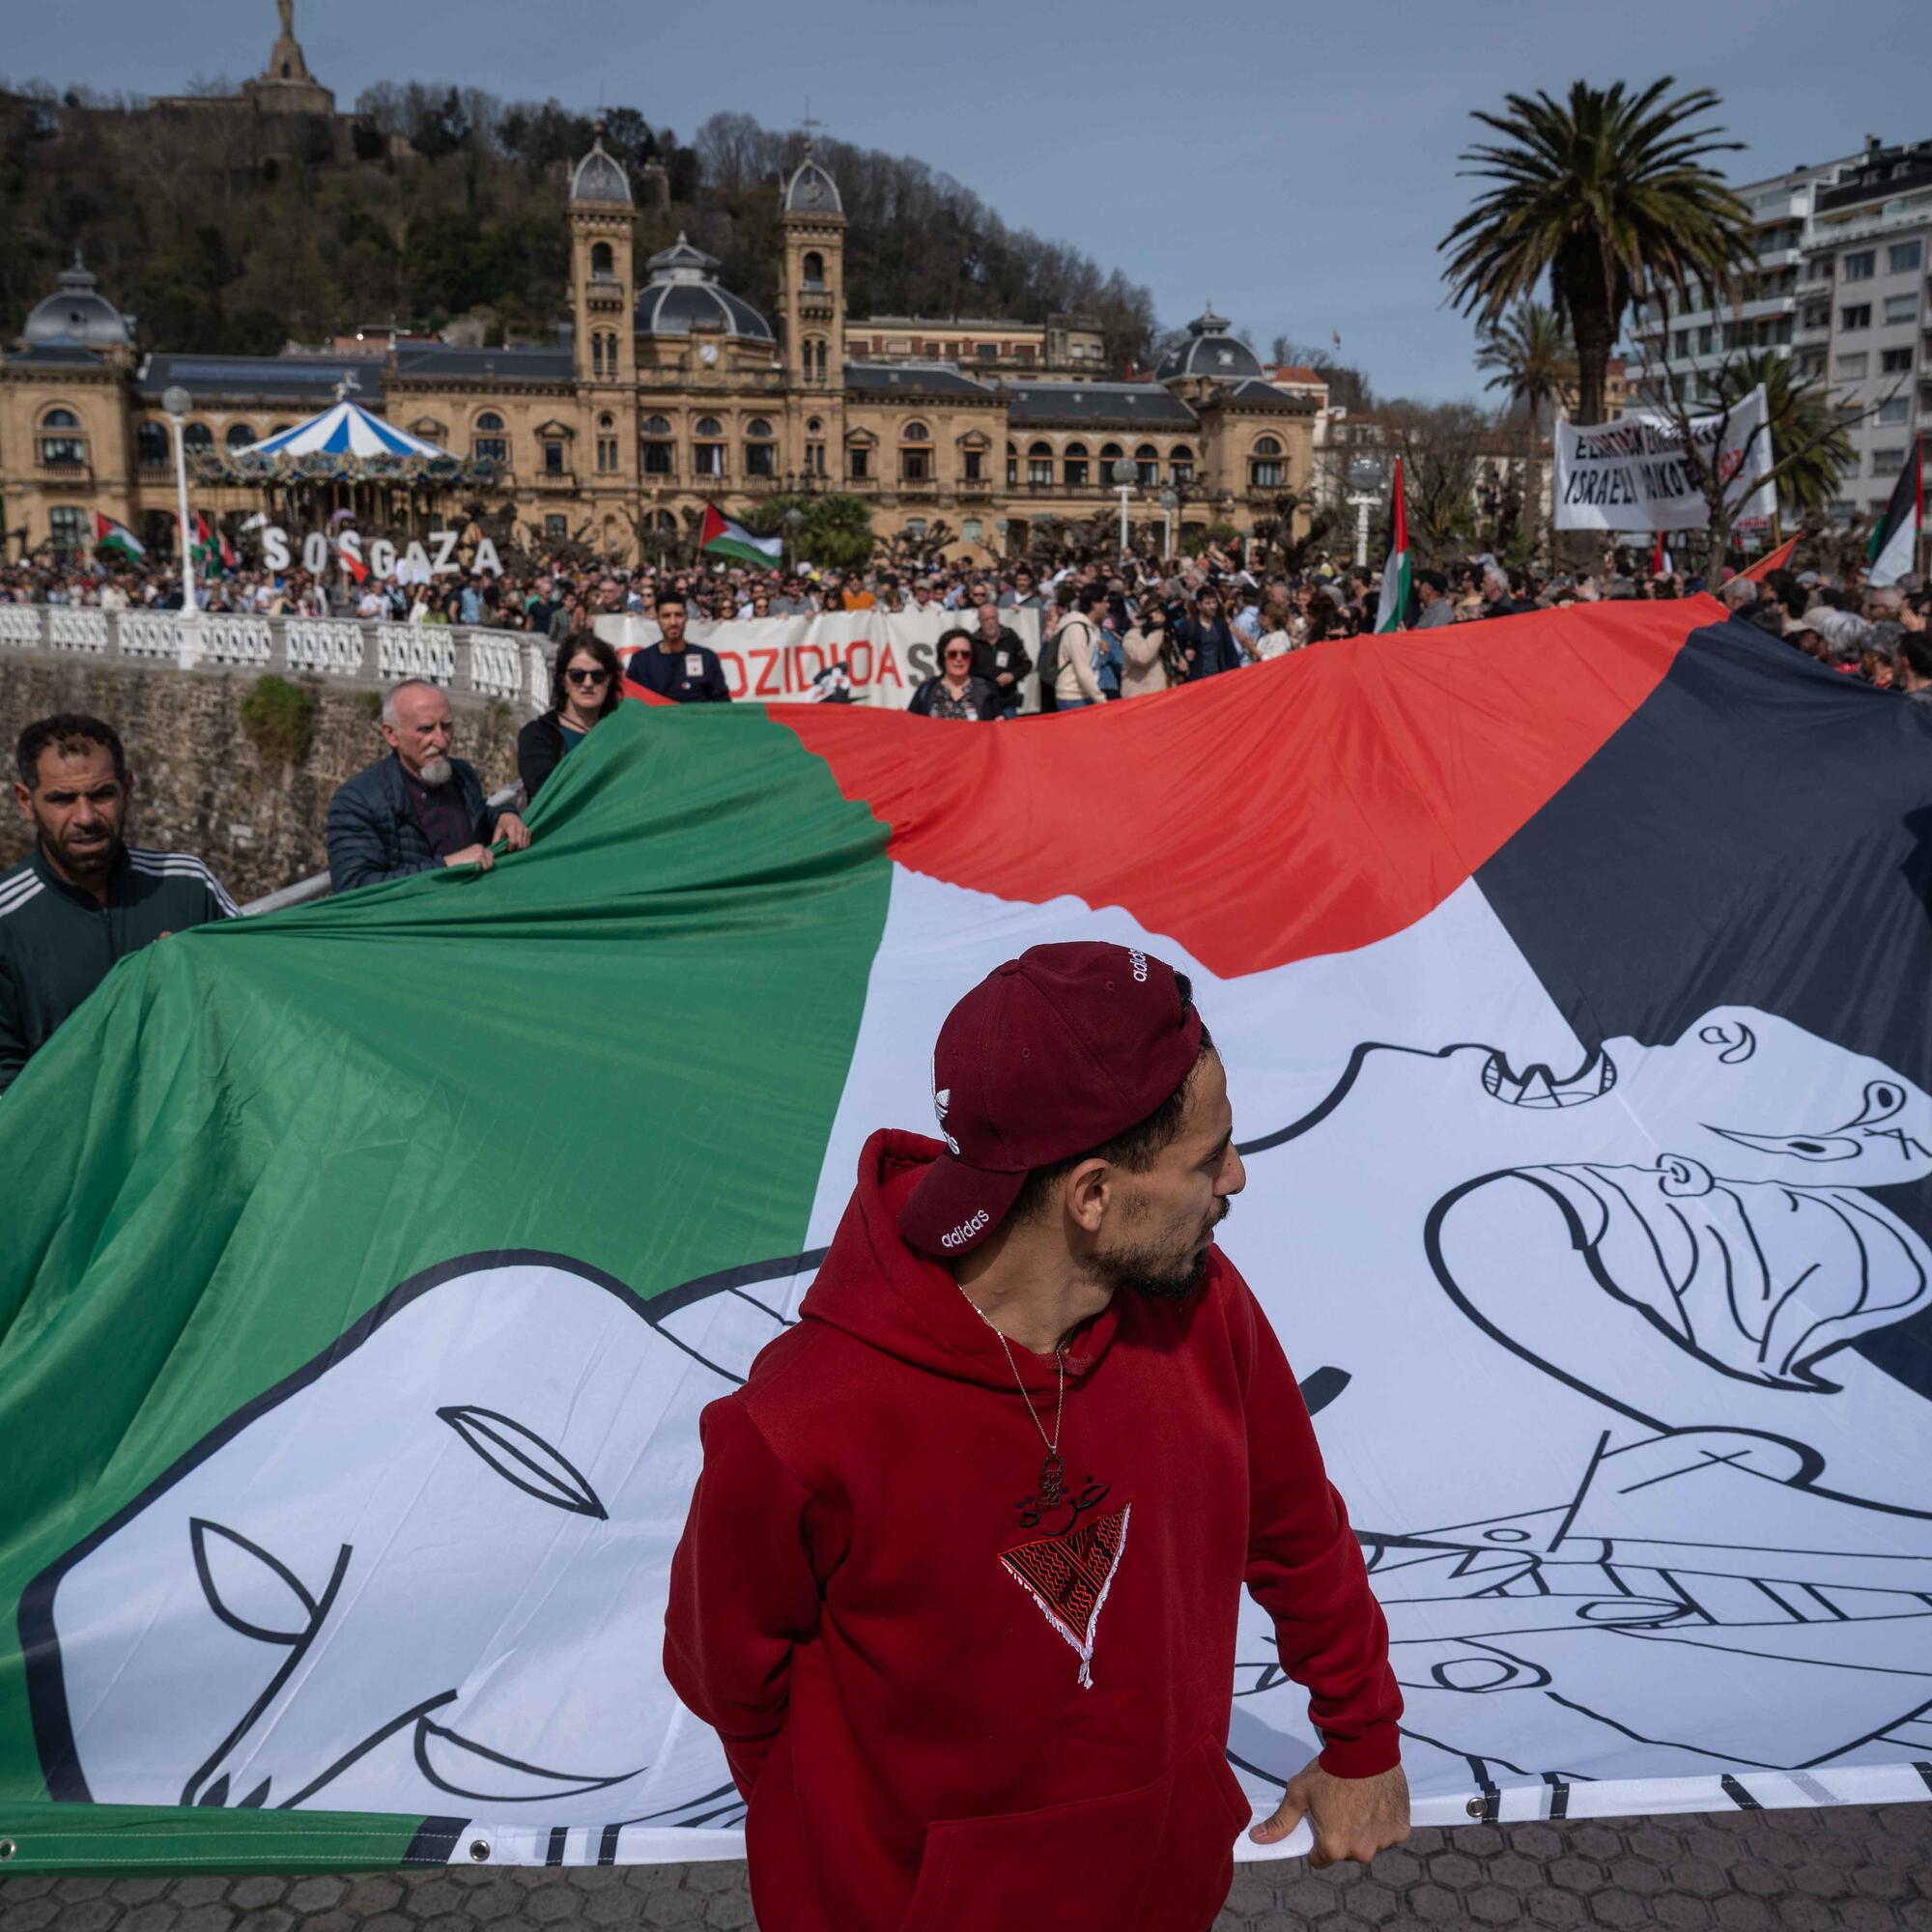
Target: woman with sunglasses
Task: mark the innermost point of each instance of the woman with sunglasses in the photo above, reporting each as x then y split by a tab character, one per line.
955	693
584	688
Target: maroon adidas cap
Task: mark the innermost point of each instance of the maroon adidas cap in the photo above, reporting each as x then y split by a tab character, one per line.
1051	1054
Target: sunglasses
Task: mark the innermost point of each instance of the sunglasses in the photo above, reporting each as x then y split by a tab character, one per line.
588	676
958	657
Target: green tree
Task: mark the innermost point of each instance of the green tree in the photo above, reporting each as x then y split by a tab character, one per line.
836	533
1805	452
1611	197
1533	361
1808	430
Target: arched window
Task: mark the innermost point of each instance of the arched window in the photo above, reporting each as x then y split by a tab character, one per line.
915	454
659	450
489	444
657	425
1012	466
198	435
1267	445
813	269
1039	464
238	436
62	447
815	446
1109	452
603	265
760	451
1074	466
1180	464
709	426
708	451
857	455
812	363
281	429
150	445
597	356
1146	465
1265	471
606	444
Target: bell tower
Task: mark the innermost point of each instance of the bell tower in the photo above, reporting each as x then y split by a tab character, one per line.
603	287
811	299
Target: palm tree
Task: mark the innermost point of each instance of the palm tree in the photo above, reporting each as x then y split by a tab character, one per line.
1608	195
1534	361
1803	426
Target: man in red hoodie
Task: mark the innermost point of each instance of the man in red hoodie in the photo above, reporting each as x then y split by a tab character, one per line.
959	1584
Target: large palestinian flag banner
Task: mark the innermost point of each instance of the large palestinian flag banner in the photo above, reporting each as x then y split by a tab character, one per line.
367	1266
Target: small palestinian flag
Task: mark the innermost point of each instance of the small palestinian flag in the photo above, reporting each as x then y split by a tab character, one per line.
1894	544
110	535
1393	609
722	537
213	551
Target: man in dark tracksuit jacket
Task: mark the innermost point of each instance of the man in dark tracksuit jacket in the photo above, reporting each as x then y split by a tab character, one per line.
418	808
83	899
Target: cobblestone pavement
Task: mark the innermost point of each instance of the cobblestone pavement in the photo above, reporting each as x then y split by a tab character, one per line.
1864	1870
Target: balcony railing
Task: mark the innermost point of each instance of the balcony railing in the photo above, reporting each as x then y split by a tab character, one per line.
504	665
554	479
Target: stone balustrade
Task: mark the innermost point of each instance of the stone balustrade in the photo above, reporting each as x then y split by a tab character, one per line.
510	667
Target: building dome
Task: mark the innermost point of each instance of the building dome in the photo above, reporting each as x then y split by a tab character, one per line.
683	294
810	190
78	315
600	176
1209	351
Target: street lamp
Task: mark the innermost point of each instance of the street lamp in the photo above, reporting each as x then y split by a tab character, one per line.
1125	476
793	518
1170	501
178	402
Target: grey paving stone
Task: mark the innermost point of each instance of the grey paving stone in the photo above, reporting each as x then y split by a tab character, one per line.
1795	1871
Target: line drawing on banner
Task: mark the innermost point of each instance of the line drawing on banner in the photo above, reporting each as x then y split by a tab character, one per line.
1655	1269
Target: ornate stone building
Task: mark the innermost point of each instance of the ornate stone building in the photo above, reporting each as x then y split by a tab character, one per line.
667	391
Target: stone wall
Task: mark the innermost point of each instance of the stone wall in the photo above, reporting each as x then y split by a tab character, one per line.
202	784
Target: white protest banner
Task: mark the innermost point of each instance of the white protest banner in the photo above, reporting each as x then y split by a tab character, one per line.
1631	474
886	656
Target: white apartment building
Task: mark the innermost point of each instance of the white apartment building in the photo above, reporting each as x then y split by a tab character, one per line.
1840	289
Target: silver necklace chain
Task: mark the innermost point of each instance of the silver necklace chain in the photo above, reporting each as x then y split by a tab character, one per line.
1059	1364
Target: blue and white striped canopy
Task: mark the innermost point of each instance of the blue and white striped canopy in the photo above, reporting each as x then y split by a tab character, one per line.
343	428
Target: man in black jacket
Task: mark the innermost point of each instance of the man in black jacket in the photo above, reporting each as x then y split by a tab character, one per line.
83	898
419	808
1204	641
1000	658
674	668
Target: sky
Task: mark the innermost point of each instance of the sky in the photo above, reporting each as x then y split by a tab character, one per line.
1293	164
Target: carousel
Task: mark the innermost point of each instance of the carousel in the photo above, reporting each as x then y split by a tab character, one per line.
346	464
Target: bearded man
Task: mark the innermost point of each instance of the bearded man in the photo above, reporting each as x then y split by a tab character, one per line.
83	897
959	1584
419	808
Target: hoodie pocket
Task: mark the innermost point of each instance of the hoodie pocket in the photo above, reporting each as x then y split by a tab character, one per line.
1158	1857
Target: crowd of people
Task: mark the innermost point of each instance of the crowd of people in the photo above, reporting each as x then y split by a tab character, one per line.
1153	623
1108	629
